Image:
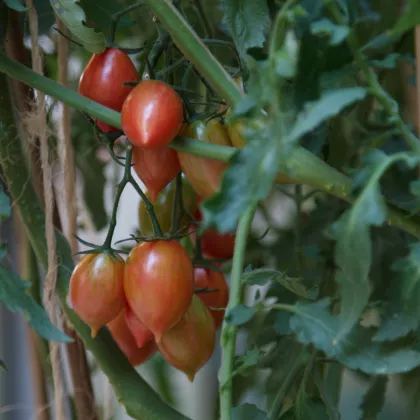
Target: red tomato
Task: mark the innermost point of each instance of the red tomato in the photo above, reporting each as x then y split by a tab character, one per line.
204	174
190	343
206	278
126	342
97	289
152	114
156	168
159	283
103	78
215	244
140	332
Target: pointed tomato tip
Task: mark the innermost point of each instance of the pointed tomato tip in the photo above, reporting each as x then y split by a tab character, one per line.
158	338
153	195
94	331
190	376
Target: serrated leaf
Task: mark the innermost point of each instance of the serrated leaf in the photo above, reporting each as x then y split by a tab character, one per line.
409	19
3	366
313	324
402	314
5	208
374	399
248	412
336	33
248	22
248	360
331	103
239	315
282	323
74	17
15	297
16	5
264	275
353	253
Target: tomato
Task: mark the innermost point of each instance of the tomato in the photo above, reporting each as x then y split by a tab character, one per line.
102	80
158	284
152	114
156	168
126	342
206	278
215	244
140	332
97	289
204	174
190	343
163	208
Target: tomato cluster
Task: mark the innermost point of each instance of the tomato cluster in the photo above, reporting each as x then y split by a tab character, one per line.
148	301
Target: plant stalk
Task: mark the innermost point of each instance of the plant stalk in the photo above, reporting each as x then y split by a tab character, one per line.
228	336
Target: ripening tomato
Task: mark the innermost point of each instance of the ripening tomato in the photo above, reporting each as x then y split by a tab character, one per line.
152	114
124	338
190	343
204	174
215	244
158	284
140	332
156	168
206	278
163	208
97	289
102	80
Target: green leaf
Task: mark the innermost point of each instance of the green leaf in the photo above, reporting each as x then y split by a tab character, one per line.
336	33
374	399
282	323
240	315
99	14
5	208
16	5
409	19
248	412
353	252
14	295
310	408
74	17
264	275
243	364
3	366
313	324
402	314
248	22
330	104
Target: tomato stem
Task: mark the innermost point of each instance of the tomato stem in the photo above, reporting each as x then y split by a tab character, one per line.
228	336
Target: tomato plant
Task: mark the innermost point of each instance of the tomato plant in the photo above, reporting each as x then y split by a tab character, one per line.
103	80
97	290
309	282
152	114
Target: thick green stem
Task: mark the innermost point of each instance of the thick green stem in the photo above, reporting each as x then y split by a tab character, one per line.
228	340
140	401
305	167
194	50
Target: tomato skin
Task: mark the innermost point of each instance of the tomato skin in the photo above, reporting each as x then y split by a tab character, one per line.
102	80
190	343
158	284
206	278
204	174
156	168
142	335
152	114
124	338
215	244
97	289
163	208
